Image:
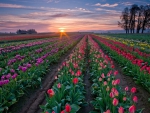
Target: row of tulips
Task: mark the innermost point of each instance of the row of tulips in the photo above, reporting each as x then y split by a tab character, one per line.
26	37
30	74
109	97
138	47
8	58
67	94
25	62
133	51
24	45
139	70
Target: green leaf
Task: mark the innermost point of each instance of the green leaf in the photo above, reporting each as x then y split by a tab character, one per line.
93	112
74	108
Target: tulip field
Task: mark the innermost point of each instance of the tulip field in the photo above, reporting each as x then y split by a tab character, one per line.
98	74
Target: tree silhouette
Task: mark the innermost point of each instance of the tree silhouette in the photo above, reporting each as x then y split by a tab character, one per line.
125	20
135	17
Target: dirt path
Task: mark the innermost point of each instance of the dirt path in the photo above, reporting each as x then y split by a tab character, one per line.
141	93
30	103
87	82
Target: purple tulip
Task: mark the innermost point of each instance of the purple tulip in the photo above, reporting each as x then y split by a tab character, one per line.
14	76
20	67
12	71
29	65
3	77
1	83
24	69
8	76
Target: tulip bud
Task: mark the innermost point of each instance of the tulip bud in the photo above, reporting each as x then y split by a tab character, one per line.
115	102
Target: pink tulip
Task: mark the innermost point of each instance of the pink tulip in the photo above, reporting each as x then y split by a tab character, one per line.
105	83
59	85
100	79
120	110
115	102
116	73
133	90
108	111
126	88
102	75
111	95
124	98
135	99
132	109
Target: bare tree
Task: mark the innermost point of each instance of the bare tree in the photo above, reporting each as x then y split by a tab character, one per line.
133	13
135	17
146	17
140	18
124	20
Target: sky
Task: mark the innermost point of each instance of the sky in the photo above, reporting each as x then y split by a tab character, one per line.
71	15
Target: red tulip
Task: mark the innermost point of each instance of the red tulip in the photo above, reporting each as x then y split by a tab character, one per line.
78	73
135	99
112	66
115	102
75	80
133	90
53	111
62	111
120	110
68	108
132	109
50	92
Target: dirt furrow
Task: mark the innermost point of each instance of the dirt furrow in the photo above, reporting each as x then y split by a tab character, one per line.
87	82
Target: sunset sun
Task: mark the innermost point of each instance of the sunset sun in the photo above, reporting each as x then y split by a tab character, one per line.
62	30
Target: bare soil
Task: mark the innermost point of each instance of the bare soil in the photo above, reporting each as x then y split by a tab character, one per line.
88	83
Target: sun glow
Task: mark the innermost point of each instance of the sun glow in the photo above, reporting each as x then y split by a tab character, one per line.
62	30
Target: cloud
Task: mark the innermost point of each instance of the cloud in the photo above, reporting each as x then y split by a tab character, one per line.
14	26
108	11
127	3
106	5
11	5
49	1
16	6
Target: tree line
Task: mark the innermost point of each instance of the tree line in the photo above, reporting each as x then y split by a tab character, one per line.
135	19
